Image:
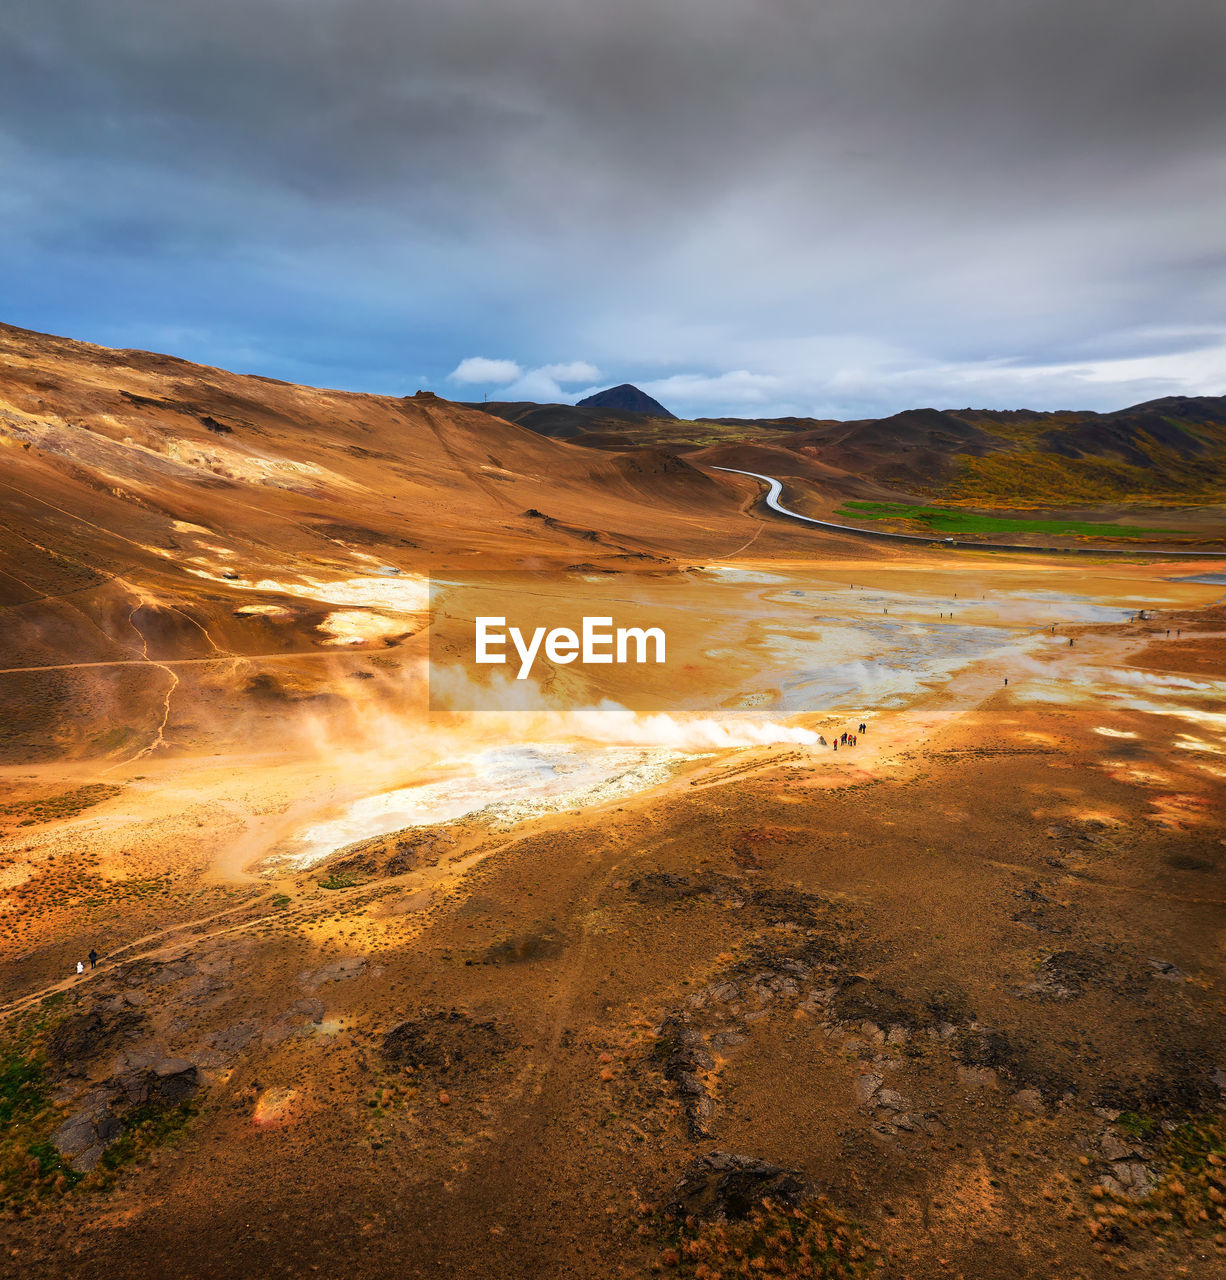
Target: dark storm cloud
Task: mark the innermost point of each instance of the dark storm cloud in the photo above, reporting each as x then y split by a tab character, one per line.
869	193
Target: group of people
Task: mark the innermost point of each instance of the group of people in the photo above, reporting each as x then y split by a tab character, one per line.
93	961
847	739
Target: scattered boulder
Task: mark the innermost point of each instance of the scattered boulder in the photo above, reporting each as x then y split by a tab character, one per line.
1029	1100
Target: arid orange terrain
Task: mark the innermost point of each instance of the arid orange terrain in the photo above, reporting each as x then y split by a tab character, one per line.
577	979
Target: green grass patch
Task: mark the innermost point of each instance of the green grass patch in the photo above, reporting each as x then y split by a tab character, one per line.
951	520
30	1167
22	1091
65	805
145	1128
32	1171
338	882
1191	1197
1139	1126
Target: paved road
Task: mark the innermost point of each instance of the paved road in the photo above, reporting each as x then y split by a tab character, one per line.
776	488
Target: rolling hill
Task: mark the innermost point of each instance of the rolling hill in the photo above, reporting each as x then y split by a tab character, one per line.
1168	452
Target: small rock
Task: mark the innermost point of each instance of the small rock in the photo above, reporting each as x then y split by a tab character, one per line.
1115	1149
1134	1176
699	1113
866	1086
689	1085
977	1077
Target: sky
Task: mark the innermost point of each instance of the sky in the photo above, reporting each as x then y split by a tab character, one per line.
832	208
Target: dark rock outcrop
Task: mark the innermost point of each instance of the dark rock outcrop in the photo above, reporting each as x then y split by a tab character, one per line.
445	1044
721	1185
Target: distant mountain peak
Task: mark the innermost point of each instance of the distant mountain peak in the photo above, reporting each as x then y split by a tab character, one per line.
628	398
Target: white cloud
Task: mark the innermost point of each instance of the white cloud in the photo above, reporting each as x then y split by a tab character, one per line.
481	369
541	384
575	371
837	381
537	385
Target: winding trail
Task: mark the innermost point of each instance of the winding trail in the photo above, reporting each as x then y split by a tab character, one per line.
178	662
776	488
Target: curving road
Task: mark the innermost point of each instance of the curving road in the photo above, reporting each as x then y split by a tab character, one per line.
776	488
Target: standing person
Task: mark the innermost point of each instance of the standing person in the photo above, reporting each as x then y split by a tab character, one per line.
80	966
1070	642
836	744
93	958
